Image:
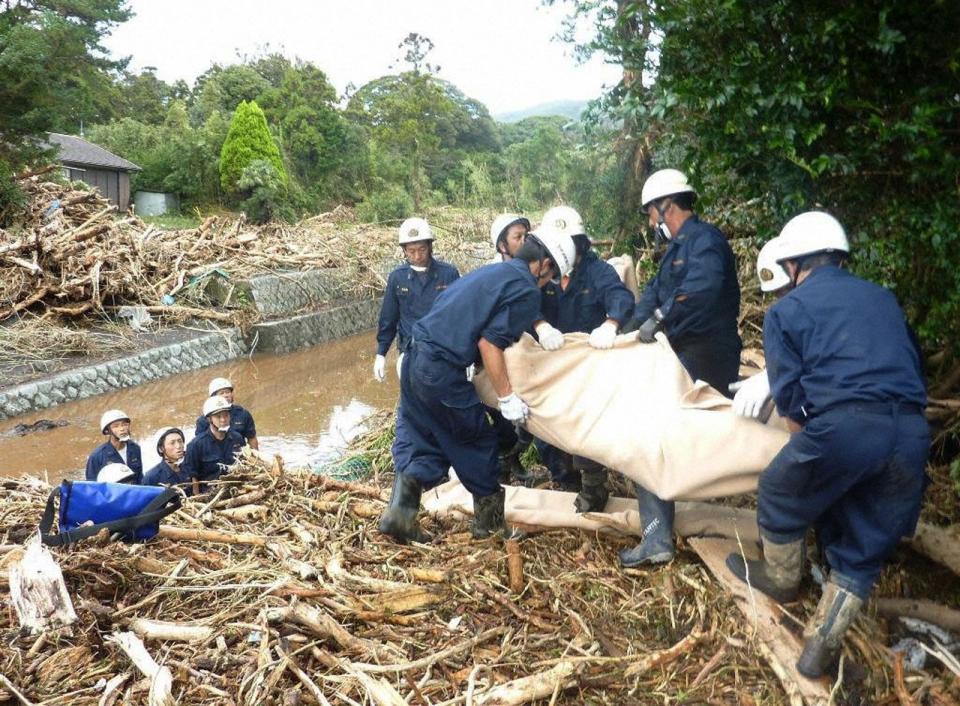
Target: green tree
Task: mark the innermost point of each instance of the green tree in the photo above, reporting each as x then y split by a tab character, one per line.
224	88
147	97
248	140
54	73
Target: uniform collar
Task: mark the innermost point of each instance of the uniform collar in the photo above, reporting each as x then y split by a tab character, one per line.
823	271
521	267
688	225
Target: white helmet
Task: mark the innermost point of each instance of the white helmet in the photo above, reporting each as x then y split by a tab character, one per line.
564	220
413	230
218	384
504	221
811	232
115	473
769	270
560	247
111	416
215	404
664	182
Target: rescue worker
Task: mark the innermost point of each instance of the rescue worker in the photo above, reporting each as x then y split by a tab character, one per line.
507	233
241	421
170	446
441	417
118	448
752	398
845	372
410	292
209	455
116	473
591	300
695	300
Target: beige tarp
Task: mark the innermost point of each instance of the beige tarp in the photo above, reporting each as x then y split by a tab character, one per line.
635	410
627	271
553	508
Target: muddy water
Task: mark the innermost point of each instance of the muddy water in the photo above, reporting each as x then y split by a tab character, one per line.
304	403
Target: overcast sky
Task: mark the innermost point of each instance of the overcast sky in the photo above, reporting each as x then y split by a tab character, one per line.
501	52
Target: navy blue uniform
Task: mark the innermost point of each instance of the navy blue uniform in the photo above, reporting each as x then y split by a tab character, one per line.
441	421
206	458
105	453
164	474
594	294
697	292
407	298
842	362
241	421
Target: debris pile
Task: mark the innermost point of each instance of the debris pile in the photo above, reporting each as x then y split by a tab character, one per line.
276	588
71	254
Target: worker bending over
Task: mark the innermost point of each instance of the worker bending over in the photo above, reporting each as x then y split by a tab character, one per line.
844	369
695	300
441	420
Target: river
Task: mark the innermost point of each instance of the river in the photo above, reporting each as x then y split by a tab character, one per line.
305	405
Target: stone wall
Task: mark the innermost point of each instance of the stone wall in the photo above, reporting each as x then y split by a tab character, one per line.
315	327
285	293
134	369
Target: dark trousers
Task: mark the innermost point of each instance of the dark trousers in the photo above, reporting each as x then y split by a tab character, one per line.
716	363
856	474
441	422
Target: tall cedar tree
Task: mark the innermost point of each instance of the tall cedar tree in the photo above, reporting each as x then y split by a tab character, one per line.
248	140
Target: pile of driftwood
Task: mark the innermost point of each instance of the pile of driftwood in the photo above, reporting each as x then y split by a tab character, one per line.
70	253
276	588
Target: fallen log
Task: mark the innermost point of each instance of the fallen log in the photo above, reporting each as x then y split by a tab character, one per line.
161	679
515	565
199	535
542	685
165	630
781	647
326	627
37	591
941	544
928	611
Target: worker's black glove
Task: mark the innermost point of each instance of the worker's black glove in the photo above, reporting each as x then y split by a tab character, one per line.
647	330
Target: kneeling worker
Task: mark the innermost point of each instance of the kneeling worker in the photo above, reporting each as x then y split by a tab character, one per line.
241	421
118	448
209	455
440	414
169	471
844	369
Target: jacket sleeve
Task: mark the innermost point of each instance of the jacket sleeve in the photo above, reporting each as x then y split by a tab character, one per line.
508	323
686	310
784	363
617	299
201	426
250	429
191	462
389	317
648	301
93	466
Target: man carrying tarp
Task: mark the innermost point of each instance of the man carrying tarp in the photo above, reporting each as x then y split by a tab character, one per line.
441	420
845	370
695	300
592	300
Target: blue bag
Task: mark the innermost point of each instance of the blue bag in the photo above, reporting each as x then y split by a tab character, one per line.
133	511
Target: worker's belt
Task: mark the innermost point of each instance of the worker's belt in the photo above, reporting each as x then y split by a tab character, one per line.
906	408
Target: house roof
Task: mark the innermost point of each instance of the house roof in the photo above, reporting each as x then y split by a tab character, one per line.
76	150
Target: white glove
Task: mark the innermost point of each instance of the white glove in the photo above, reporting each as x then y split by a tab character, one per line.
399	364
604	335
513	408
752	395
471	371
380	368
550	338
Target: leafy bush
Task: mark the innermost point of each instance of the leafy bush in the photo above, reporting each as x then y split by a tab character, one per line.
248	140
265	190
390	203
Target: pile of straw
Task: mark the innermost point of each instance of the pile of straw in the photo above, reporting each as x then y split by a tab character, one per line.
277	589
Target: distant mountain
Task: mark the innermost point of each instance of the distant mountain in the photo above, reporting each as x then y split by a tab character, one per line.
568	109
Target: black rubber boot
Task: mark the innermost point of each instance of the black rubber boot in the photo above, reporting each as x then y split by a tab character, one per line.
488	517
593	495
824	633
399	520
511	469
777	575
656	541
